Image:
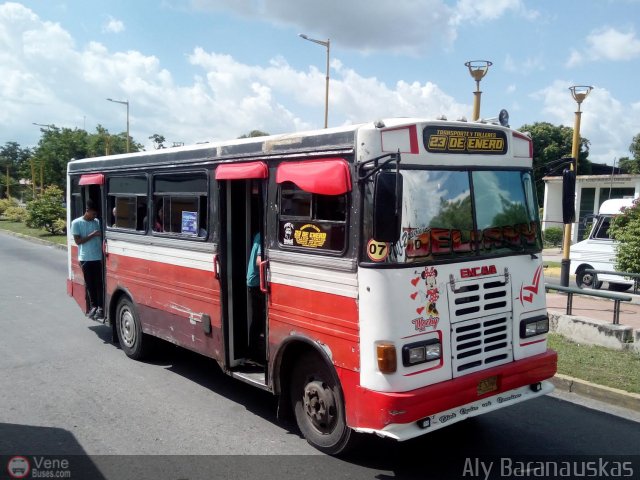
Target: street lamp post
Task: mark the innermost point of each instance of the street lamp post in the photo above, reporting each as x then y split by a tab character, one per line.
579	93
123	102
478	69
327	45
33	179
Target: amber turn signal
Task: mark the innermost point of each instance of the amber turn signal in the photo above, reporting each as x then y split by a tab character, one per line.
387	358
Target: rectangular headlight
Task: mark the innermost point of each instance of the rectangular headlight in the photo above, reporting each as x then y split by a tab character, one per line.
421	352
530	327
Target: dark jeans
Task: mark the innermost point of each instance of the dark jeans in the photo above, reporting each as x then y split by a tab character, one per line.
92	272
256	329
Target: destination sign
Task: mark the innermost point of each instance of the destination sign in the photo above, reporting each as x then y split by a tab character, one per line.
465	140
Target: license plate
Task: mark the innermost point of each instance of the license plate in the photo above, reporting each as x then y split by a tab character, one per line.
487	385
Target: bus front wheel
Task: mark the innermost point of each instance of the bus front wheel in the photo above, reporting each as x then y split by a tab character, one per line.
132	340
319	407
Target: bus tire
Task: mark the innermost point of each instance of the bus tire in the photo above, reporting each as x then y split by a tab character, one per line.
318	406
133	342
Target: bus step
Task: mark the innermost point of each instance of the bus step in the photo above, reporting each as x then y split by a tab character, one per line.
251	374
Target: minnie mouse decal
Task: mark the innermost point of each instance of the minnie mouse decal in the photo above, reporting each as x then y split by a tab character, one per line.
430	296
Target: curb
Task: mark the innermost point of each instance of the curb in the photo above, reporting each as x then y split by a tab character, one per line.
613	396
34	239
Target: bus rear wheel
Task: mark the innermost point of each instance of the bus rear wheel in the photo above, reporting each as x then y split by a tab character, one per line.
133	342
319	407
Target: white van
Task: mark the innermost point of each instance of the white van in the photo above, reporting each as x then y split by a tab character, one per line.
598	252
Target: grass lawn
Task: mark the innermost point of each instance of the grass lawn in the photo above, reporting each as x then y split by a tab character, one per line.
18	227
613	368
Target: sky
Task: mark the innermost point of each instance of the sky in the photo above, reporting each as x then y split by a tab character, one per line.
211	70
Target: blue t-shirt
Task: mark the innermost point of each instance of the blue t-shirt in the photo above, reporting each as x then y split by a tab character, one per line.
253	272
91	250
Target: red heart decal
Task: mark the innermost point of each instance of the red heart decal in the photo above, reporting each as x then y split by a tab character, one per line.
420	310
415	281
414	295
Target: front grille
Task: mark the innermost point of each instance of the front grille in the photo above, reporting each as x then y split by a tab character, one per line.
481	343
474	298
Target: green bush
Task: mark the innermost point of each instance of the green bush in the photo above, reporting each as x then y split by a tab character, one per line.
44	211
553	236
7	203
60	226
16	214
626	230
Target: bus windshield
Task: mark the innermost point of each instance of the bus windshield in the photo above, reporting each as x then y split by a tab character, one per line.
448	214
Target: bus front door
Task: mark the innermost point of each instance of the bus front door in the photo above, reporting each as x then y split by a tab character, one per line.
241	243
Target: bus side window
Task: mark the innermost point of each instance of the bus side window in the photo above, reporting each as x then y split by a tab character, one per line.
180	204
126	202
312	221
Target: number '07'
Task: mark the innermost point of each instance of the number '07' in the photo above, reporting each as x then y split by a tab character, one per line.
377	249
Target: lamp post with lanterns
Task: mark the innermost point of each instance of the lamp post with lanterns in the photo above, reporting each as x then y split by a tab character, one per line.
478	69
579	93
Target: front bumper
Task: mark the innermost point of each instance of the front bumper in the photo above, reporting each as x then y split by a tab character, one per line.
396	415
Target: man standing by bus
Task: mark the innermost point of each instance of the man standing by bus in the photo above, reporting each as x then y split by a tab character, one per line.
86	233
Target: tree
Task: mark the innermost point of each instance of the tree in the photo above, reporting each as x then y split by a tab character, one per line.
632	165
58	146
158	141
47	210
625	228
254	133
17	160
550	143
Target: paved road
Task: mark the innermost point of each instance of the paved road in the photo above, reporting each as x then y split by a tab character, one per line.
65	390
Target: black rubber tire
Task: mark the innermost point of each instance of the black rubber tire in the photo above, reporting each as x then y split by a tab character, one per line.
318	406
587	280
619	287
134	343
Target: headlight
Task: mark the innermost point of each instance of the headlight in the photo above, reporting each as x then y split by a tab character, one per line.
421	352
530	327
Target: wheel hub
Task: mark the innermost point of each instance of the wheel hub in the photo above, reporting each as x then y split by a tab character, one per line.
319	404
127	327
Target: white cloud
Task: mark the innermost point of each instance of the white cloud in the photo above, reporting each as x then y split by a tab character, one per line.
63	84
113	25
607	43
476	11
524	67
608	124
408	27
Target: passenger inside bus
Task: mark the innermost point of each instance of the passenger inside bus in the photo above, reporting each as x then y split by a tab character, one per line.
158	225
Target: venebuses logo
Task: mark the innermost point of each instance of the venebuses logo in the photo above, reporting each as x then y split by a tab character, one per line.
18	467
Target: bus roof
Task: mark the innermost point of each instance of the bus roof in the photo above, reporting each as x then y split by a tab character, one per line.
330	141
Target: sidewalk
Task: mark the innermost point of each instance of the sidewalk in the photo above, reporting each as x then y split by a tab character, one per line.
591	323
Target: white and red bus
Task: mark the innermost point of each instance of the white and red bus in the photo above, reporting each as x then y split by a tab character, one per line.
401	268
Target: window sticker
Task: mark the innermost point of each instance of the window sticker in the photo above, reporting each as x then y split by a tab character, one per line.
310	235
190	223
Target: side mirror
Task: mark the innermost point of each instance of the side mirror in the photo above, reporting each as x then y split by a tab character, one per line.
387	206
568	196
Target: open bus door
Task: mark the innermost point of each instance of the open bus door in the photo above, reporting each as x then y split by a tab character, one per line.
92	188
242	191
